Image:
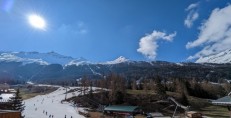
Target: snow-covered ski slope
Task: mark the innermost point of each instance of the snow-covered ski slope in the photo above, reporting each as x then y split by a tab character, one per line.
43	106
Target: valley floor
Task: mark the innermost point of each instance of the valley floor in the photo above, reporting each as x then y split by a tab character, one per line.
46	106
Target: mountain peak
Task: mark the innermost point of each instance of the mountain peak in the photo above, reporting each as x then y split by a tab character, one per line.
120	59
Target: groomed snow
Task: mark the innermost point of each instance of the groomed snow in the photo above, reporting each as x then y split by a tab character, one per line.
37	107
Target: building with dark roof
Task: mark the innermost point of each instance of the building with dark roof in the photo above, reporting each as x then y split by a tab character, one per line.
122	110
224	101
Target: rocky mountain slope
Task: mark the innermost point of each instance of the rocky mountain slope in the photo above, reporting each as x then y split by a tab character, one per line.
222	57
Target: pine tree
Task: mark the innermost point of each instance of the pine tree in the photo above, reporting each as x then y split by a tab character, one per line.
134	87
117	89
184	99
17	102
91	91
160	90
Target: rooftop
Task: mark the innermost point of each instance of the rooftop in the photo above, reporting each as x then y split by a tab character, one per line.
7	111
222	101
121	108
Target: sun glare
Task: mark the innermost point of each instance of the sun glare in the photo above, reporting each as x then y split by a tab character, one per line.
37	21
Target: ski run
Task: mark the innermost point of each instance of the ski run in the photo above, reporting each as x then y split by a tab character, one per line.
50	106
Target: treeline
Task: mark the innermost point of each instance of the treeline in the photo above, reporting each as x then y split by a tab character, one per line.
201	89
113	89
193	87
155	88
130	70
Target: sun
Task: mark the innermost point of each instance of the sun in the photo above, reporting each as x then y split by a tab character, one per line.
37	21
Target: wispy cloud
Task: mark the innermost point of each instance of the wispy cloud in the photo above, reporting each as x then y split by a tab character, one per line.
215	33
82	28
77	28
69	31
148	44
192	6
192	16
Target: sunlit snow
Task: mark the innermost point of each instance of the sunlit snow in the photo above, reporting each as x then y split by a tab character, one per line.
50	104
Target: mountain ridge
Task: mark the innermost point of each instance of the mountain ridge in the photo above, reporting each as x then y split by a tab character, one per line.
21	66
50	58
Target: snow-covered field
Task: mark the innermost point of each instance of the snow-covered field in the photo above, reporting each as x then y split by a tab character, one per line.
43	106
5	97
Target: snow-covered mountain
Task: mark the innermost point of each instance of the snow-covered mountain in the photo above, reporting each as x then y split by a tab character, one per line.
222	57
39	58
77	62
47	67
120	59
49	58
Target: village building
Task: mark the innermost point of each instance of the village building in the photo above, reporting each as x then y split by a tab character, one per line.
224	101
116	110
4	87
10	114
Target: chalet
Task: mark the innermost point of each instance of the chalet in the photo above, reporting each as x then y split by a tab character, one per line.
10	114
122	110
224	101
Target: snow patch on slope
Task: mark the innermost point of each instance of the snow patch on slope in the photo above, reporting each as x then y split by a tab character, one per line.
40	58
121	59
50	57
8	57
222	57
77	62
93	71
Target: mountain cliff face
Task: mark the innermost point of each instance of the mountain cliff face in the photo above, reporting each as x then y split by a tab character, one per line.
222	57
52	67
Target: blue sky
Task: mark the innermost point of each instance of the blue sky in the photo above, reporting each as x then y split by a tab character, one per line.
102	30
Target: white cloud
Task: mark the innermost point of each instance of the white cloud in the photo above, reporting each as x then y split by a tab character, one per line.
215	33
192	6
192	15
148	44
